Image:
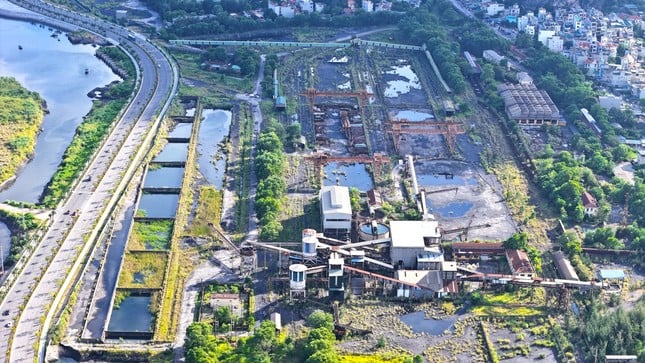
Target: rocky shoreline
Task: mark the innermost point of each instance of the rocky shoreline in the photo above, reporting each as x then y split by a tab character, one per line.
85	37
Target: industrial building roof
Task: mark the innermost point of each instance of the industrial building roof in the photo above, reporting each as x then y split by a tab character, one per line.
525	101
611	274
425	279
564	266
335	199
413	233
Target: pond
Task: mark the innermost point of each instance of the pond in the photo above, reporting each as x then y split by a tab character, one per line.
212	132
181	130
158	206
164	178
132	315
450	210
419	324
172	153
349	175
406	80
414	115
41	66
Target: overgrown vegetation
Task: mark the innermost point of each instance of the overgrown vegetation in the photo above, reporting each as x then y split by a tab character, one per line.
22	227
209	211
151	235
21	114
269	166
143	270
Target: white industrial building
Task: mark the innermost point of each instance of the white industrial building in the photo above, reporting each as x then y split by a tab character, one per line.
415	243
336	211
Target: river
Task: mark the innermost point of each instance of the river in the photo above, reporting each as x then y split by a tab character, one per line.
54	68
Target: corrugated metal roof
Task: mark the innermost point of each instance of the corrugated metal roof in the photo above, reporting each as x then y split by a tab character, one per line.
612	274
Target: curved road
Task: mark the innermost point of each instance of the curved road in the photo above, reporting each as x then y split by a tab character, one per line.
36	294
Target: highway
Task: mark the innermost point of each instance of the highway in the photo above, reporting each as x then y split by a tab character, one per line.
92	200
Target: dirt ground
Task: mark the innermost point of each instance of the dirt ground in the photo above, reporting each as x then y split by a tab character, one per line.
478	196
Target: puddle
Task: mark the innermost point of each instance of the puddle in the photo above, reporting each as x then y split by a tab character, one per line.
349	175
399	86
138	278
347	86
158	206
212	131
164	178
132	315
451	210
190	112
414	115
419	324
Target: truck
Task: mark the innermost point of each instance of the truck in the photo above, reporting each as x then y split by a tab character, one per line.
131	37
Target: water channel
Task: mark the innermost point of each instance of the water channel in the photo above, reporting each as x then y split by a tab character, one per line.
41	66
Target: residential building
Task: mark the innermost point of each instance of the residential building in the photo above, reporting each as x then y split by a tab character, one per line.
589	203
519	263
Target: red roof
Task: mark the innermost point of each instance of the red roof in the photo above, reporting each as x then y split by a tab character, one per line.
588	201
519	261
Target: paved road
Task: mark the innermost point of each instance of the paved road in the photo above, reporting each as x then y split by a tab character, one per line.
87	198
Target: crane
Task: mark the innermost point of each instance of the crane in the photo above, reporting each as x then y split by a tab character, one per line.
449	130
377	160
362	96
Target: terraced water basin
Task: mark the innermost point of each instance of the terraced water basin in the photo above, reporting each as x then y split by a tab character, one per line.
181	130
419	324
349	175
164	178
172	153
158	206
211	160
133	315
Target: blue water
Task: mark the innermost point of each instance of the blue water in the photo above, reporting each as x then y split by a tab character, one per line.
212	131
55	69
164	177
419	324
181	130
132	315
172	153
158	206
348	175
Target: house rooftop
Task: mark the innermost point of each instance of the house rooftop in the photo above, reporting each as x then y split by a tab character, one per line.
588	201
519	261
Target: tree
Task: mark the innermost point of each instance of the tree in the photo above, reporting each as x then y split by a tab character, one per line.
321	319
518	241
570	243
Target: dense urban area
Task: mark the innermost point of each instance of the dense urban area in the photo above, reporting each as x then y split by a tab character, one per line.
322	181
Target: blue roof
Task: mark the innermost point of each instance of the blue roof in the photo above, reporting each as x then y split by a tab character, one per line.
612	274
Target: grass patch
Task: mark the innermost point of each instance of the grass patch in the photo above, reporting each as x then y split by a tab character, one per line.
209	210
506	311
143	270
189	65
153	235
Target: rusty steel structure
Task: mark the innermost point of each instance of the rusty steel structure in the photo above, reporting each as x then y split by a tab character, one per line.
362	96
377	160
398	127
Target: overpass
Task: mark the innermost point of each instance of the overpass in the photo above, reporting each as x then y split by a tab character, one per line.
42	285
259	43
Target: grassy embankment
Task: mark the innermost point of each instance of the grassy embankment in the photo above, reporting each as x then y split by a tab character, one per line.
209	209
21	114
91	132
